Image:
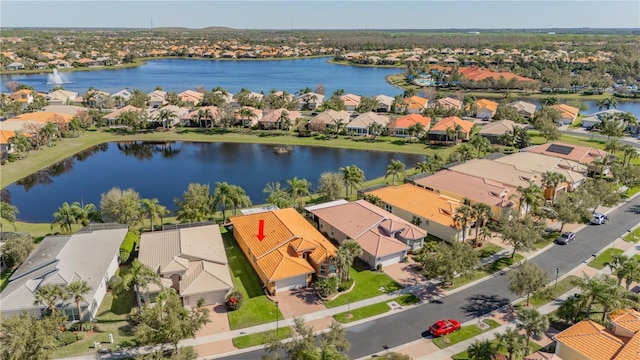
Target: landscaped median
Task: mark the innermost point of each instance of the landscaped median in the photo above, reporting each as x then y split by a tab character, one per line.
465	333
375	309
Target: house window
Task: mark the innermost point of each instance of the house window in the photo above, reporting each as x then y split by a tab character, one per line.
304	255
323	270
388	207
72	314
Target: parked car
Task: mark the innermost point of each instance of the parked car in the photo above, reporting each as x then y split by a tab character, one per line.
444	327
566	238
599	219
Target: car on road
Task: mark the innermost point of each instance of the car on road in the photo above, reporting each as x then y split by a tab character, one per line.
444	327
599	219
566	238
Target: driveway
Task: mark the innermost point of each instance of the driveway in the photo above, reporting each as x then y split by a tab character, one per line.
298	302
407	274
219	321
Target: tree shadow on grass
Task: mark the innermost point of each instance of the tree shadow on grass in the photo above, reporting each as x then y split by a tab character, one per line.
480	304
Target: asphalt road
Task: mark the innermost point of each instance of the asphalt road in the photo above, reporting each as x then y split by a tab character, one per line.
489	295
595	135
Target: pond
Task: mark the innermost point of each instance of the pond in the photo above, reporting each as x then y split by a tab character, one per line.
179	75
164	170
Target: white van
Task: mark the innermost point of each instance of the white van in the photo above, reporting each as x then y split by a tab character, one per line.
599	219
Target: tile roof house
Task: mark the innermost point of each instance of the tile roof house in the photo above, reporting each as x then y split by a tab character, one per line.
178	113
351	101
360	126
157	98
385	238
91	254
190	260
594	119
493	131
500	197
30	122
503	173
524	108
309	101
193	117
486	108
568	114
386	102
191	97
438	132
328	119
449	103
276	119
590	340
582	154
415	104
433	212
64	109
60	97
112	116
24	96
290	252
399	127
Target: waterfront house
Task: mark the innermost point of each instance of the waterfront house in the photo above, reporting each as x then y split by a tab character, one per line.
190	260
282	119
581	154
60	97
428	210
91	255
351	101
31	123
157	98
507	174
596	118
384	238
400	126
386	102
494	131
15	66
361	125
310	101
568	114
328	119
461	130
526	109
415	104
112	117
486	108
283	248
190	97
23	96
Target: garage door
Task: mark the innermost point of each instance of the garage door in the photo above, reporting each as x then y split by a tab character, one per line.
291	283
391	259
209	299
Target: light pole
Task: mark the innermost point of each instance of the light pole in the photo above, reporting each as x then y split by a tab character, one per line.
277	318
557	272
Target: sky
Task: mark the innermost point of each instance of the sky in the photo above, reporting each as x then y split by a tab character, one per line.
321	14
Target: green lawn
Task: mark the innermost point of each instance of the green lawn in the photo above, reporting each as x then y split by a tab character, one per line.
633	236
4	279
375	309
488	249
603	259
257	308
467	332
242	342
367	284
466	279
563	286
533	346
503	263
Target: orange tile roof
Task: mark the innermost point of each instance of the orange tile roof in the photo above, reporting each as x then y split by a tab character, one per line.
631	351
419	201
351	99
566	111
43	117
416	102
581	154
6	135
284	231
451	122
487	104
590	339
475	73
411	119
628	319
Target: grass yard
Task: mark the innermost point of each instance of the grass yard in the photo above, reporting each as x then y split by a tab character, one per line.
633	236
257	308
467	332
503	263
375	309
4	279
488	249
563	286
533	346
245	341
466	279
367	285
603	259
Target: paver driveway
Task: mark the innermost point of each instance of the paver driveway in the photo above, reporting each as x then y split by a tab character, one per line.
298	302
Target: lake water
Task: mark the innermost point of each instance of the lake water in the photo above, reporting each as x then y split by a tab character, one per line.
179	75
164	171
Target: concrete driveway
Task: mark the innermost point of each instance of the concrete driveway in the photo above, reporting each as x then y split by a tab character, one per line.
219	321
298	302
407	274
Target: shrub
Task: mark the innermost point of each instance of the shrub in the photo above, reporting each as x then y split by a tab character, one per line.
126	343
327	287
81	335
67	337
345	285
234	301
127	246
379	267
114	281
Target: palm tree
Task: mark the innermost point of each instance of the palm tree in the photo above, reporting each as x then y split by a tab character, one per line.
353	177
154	210
246	114
450	134
8	213
608	103
548	101
76	290
21	143
165	116
351	249
239	198
532	196
65	217
86	213
375	129
394	169
482	350
594	290
533	323
75	127
482	213
551	180
513	342
204	115
284	121
139	277
49	131
612	146
629	271
49	295
464	216
423	167
222	194
480	142
299	188
629	153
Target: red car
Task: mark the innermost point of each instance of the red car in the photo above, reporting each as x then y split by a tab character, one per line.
444	327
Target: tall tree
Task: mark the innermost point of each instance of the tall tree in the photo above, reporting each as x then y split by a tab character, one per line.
351	250
532	196
299	188
464	217
353	178
569	208
521	234
551	180
598	192
222	196
482	350
608	103
239	198
121	206
277	195
138	277
15	249
395	169
25	336
49	295
154	210
533	323
65	217
77	290
482	214
445	261
527	279
196	203
480	143
330	185
513	342
8	213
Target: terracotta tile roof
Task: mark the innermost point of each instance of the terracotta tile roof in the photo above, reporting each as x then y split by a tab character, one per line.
6	135
474	73
42	117
273	116
487	104
504	173
421	202
573	171
351	99
450	102
284	231
365	120
411	119
194	113
540	355
581	154
416	102
467	186
191	96
628	319
631	351
566	111
114	114
498	127
329	117
451	122
591	340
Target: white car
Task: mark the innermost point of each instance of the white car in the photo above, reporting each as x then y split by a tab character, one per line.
599	219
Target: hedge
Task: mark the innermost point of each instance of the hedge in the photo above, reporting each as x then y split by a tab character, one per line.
128	244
